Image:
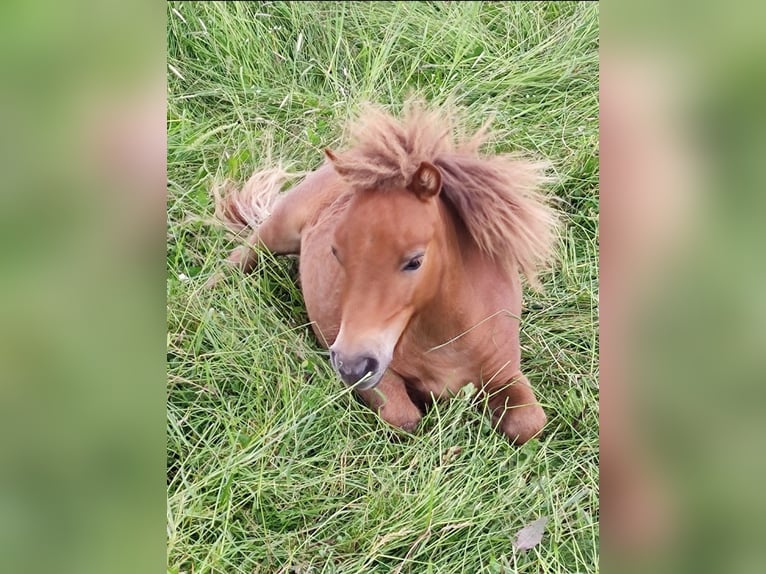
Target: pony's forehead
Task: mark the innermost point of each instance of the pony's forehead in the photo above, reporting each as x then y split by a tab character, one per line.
395	214
393	200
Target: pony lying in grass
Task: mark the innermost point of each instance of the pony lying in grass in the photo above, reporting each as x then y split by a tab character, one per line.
411	247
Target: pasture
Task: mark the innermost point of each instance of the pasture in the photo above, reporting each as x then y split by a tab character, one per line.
273	466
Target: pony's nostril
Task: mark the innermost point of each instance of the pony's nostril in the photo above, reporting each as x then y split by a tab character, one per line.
370	366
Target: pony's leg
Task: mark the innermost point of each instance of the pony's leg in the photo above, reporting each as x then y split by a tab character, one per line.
515	411
392	403
279	233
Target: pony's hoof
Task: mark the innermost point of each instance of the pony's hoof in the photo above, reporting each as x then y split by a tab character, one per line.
521	424
406	423
214	280
410	426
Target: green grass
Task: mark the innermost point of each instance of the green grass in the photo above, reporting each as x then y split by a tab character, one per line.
272	465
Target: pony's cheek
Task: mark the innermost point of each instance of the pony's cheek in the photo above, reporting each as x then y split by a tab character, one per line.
427	284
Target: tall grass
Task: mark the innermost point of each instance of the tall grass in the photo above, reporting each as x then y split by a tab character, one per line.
272	465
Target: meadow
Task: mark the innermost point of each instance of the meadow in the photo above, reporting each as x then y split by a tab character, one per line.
272	465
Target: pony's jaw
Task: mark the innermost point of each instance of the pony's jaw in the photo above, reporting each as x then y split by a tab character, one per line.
370	383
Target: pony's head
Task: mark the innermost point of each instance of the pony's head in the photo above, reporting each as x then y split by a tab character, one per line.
390	246
391	240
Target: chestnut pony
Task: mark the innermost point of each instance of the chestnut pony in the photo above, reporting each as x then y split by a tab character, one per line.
411	246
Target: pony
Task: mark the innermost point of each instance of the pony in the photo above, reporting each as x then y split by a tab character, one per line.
411	248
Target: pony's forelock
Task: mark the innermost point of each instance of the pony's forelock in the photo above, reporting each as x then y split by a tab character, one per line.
497	196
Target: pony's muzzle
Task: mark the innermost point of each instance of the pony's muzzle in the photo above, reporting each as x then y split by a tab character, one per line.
363	370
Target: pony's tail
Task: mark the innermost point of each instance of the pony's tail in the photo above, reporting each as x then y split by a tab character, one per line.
248	207
242	210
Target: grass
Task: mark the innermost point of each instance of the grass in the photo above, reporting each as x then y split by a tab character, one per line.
272	465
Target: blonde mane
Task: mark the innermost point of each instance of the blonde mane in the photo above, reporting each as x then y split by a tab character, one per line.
496	196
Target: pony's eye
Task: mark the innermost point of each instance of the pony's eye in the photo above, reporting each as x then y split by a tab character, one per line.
413	264
334	251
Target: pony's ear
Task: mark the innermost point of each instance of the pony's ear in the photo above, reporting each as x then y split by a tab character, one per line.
328	153
427	181
333	159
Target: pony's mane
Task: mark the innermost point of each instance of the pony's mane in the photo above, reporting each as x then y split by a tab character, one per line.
496	196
